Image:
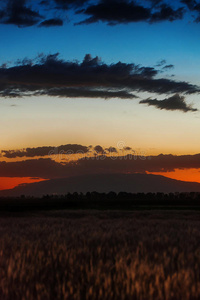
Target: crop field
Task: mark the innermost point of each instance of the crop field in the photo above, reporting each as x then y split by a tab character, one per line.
103	255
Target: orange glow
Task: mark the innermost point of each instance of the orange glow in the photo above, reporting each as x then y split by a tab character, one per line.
192	175
11	182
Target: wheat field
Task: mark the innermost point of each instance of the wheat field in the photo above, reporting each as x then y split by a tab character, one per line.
75	255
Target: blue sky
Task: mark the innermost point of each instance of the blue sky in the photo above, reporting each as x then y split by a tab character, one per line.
146	44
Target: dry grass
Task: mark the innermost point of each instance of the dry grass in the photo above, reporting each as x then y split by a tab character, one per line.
100	255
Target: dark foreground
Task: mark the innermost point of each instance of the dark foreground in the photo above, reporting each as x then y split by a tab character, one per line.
102	201
100	255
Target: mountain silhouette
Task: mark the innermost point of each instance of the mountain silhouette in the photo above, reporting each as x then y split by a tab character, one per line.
134	183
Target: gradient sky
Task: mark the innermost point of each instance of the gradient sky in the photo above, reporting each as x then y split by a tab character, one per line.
158	36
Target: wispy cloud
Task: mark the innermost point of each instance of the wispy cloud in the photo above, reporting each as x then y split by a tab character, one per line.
51	22
176	102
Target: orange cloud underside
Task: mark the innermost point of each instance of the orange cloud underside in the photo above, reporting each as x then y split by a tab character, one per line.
192	175
11	182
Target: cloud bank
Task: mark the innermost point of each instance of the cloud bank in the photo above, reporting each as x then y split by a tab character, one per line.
101	164
45	151
52	76
68	149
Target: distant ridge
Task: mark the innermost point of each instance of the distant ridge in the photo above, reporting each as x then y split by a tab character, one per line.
104	183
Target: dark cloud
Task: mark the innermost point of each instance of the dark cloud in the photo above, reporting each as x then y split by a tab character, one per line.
166	13
99	149
22	13
51	22
193	6
116	12
28	12
127	148
47	168
88	93
161	63
146	72
155	3
136	163
49	75
44	2
9	93
168	67
111	150
175	102
44	151
67	4
2	14
52	151
18	13
33	167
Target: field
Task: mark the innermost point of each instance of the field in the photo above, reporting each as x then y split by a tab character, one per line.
105	255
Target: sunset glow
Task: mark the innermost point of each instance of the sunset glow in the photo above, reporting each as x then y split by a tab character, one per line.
86	84
10	182
192	175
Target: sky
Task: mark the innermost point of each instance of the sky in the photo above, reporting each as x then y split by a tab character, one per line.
116	81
